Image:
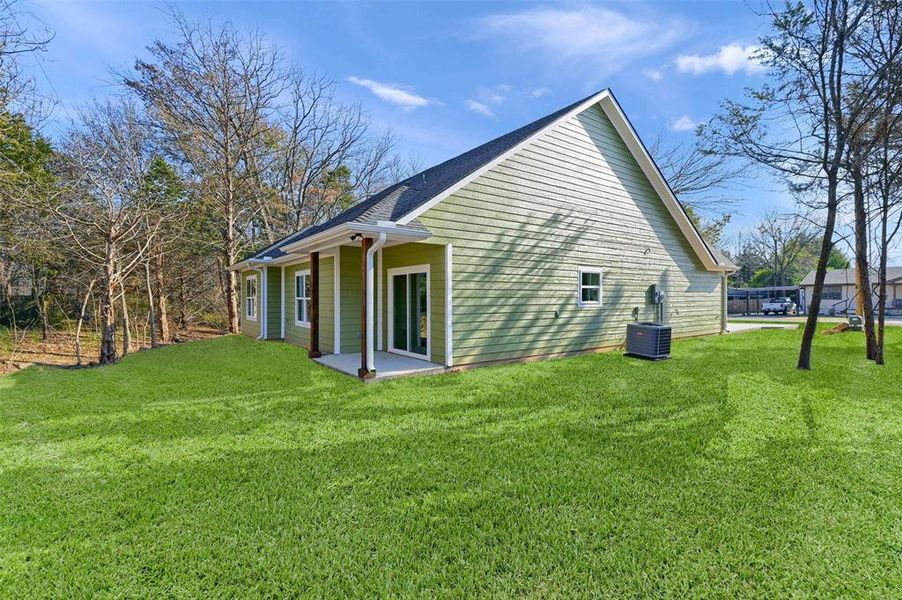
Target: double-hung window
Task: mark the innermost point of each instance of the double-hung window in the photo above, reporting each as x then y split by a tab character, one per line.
302	298
250	297
589	289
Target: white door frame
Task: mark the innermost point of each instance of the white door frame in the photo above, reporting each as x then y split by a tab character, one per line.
391	310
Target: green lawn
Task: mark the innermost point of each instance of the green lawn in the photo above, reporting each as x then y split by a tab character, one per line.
231	467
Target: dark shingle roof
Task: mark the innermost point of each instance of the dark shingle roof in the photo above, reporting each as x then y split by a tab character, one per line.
397	200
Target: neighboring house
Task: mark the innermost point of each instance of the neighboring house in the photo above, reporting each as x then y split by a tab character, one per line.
542	242
838	296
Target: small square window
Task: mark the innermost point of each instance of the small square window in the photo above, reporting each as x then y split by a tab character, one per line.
589	282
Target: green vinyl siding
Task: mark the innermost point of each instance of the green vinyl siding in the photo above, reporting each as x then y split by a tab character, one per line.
573	198
349	289
406	255
296	334
299	334
248	326
273	303
326	304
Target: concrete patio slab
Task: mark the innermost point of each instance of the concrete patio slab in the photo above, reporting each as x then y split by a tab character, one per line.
388	365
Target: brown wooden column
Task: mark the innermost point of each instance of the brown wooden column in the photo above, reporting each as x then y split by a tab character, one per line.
363	372
314	306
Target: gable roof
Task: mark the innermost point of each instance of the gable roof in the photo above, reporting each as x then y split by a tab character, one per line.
403	202
847	276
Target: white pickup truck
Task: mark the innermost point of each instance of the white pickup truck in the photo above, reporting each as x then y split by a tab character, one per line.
783	306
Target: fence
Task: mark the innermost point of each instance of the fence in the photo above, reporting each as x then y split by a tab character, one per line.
748	301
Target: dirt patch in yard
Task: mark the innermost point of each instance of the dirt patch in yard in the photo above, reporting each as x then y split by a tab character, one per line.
28	348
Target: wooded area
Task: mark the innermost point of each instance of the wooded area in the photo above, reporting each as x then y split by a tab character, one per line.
213	146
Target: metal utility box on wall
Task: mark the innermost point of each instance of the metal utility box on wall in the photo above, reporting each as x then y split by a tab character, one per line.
648	340
653	294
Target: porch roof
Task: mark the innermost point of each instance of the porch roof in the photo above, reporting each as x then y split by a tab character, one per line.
342	234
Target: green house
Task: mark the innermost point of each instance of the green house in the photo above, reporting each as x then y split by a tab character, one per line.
540	243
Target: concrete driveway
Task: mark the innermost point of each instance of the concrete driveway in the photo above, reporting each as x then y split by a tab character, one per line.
775	319
741	327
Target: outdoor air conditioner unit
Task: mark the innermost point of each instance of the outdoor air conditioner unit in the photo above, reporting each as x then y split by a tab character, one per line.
648	340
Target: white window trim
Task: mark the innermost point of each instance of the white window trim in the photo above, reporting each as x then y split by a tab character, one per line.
579	287
391	310
294	282
256	297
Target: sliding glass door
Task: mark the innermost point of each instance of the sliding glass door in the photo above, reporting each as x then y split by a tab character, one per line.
409	305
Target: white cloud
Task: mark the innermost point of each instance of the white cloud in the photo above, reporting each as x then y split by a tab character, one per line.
493	95
605	38
729	59
539	92
653	74
391	93
684	123
479	107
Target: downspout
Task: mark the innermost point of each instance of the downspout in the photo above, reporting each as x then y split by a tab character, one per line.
370	284
282	305
724	302
261	302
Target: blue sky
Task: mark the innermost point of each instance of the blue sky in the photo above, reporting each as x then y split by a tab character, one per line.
448	76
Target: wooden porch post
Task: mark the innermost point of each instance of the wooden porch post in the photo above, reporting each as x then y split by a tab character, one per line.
314	306
363	372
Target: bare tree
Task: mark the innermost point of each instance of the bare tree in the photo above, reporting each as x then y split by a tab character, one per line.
105	158
696	175
883	144
329	157
800	126
699	177
783	240
887	191
18	36
213	93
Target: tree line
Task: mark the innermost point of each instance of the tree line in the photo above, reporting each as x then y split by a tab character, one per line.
213	145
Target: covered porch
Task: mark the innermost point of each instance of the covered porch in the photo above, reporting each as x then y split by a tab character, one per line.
371	301
387	365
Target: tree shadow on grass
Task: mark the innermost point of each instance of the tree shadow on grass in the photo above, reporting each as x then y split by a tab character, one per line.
540	502
723	466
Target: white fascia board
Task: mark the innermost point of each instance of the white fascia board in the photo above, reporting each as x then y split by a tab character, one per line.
616	115
240	266
250	263
331	236
391	230
324	236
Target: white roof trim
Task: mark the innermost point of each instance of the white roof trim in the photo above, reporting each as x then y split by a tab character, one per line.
637	149
351	227
613	111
